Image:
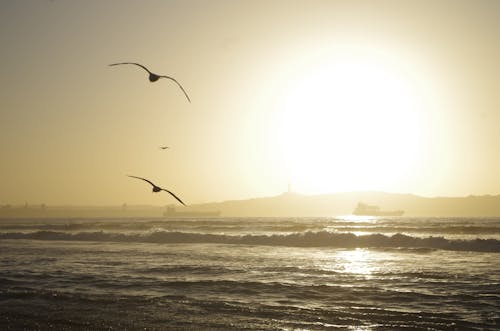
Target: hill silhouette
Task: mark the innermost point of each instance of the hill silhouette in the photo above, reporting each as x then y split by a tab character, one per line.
292	204
287	205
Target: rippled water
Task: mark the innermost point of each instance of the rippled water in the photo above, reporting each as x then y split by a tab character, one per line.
255	274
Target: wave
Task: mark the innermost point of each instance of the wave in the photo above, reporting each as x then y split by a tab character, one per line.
432	226
303	239
429	230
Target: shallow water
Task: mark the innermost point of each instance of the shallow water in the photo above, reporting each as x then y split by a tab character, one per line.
255	274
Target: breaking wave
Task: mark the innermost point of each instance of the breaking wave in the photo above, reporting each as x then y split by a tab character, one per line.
302	239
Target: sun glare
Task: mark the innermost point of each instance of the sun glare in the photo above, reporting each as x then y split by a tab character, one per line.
358	261
347	124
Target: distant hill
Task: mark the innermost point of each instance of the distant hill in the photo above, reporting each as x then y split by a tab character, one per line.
291	204
287	204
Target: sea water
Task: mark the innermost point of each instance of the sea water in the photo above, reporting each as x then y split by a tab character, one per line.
349	273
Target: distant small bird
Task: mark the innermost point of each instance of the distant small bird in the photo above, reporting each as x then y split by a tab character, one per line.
164	147
154	77
158	189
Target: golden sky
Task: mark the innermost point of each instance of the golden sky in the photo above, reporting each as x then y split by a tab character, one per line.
330	96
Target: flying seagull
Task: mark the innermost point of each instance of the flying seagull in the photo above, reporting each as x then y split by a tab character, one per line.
158	189
154	77
164	147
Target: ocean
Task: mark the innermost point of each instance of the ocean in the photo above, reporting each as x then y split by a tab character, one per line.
338	273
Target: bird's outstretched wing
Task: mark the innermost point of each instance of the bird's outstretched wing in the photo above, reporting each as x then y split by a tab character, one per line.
178	84
137	64
144	179
176	197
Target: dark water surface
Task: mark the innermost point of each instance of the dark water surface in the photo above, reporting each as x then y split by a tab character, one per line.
250	274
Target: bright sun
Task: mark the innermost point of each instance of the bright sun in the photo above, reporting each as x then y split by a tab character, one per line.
347	124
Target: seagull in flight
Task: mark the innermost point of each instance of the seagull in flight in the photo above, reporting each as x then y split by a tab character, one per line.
154	77
164	147
158	189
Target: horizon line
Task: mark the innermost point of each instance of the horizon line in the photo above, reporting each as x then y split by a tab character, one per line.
3	205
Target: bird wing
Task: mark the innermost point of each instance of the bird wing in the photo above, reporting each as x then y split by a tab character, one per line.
178	84
176	197
144	179
137	64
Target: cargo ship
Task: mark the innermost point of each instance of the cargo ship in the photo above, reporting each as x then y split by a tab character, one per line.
363	209
171	212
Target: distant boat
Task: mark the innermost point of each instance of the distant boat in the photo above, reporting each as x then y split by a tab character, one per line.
363	209
171	212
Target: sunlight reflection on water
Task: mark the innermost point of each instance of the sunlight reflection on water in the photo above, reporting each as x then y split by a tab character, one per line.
360	328
359	261
356	218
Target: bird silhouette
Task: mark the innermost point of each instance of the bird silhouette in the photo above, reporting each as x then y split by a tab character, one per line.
158	189
164	147
154	77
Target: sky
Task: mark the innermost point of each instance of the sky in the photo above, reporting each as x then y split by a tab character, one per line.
324	96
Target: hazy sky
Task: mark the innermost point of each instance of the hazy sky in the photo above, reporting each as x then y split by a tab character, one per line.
330	96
